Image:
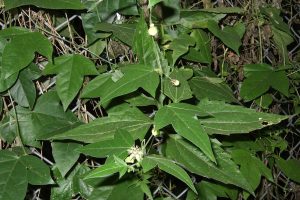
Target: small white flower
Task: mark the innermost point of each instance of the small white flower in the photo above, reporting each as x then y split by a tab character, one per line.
175	82
153	30
135	155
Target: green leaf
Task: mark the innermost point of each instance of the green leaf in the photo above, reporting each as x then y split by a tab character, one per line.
5	83
227	119
1	106
13	182
167	165
8	129
118	146
231	36
97	86
104	11
106	8
264	101
123	32
183	118
198	18
47	118
65	155
70	69
139	99
153	3
251	167
24	91
15	58
108	169
170	11
274	16
147	49
282	39
180	46
135	76
38	173
210	191
202	51
49	4
79	185
225	10
264	76
101	129
226	171
212	89
64	189
97	48
88	22
290	168
145	188
124	188
182	91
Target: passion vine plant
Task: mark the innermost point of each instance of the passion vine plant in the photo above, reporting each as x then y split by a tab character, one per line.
157	122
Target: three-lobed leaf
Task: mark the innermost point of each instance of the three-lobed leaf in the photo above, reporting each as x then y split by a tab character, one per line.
15	58
182	91
17	171
264	76
201	52
231	36
70	70
47	118
135	76
13	182
38	173
180	46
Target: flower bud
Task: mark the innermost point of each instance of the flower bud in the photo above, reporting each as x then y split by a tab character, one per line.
153	30
175	82
154	132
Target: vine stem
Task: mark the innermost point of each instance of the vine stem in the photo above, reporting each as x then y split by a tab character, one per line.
19	137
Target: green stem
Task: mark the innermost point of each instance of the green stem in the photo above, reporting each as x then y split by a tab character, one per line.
19	137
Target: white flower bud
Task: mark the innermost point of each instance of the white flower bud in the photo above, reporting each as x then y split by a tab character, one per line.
153	30
158	70
154	132
129	159
175	82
